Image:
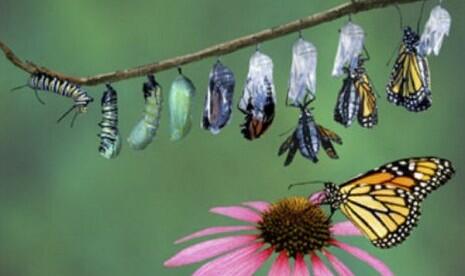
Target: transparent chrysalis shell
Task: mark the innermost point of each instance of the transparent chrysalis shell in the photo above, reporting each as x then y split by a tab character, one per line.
302	81
180	105
350	46
436	28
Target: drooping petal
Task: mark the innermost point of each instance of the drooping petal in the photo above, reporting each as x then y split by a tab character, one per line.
227	262
300	267
339	266
319	268
208	249
364	256
252	264
345	228
317	198
280	266
215	230
237	212
261	206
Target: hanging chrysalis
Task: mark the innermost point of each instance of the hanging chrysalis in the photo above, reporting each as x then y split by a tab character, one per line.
307	139
110	140
259	99
218	101
351	40
145	130
302	81
180	105
436	28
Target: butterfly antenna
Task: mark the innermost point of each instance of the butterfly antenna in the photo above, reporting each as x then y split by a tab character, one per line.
401	19
74	119
286	132
305	183
65	114
36	93
18	87
421	16
392	56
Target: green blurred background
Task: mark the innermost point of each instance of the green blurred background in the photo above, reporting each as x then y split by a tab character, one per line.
64	210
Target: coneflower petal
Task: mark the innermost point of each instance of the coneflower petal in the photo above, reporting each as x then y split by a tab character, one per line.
215	230
319	268
300	267
229	261
252	264
237	212
208	249
280	266
365	257
339	266
345	228
261	206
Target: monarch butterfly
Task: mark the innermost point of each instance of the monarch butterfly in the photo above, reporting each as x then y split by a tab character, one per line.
307	138
110	140
218	101
259	99
356	98
180	104
145	130
384	203
44	82
409	84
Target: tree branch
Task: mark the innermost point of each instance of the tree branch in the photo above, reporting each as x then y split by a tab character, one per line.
351	7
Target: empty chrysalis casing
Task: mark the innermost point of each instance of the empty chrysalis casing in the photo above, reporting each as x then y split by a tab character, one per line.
146	128
259	99
351	40
218	101
110	140
180	105
302	80
436	28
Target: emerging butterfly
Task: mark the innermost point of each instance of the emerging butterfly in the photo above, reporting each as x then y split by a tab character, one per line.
307	137
384	203
409	84
356	98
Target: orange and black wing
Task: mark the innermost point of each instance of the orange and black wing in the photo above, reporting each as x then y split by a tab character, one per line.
385	202
368	110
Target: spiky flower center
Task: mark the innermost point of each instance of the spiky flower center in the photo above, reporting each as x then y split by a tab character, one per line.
295	225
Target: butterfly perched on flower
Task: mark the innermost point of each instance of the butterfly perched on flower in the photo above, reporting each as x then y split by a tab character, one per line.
307	138
384	203
409	84
356	98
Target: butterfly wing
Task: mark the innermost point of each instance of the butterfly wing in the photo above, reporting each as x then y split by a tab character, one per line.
368	110
347	103
385	202
327	137
409	83
290	146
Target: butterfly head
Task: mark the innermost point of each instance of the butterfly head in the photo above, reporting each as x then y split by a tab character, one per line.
410	39
333	197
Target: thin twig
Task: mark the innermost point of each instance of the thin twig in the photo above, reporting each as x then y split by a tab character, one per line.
351	7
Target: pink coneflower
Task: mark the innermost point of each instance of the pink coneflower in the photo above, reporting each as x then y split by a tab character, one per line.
293	228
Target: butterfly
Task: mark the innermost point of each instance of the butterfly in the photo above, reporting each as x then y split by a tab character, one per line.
307	138
409	84
356	98
384	203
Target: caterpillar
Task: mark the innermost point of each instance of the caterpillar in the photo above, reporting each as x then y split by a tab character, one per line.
110	140
145	130
44	82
